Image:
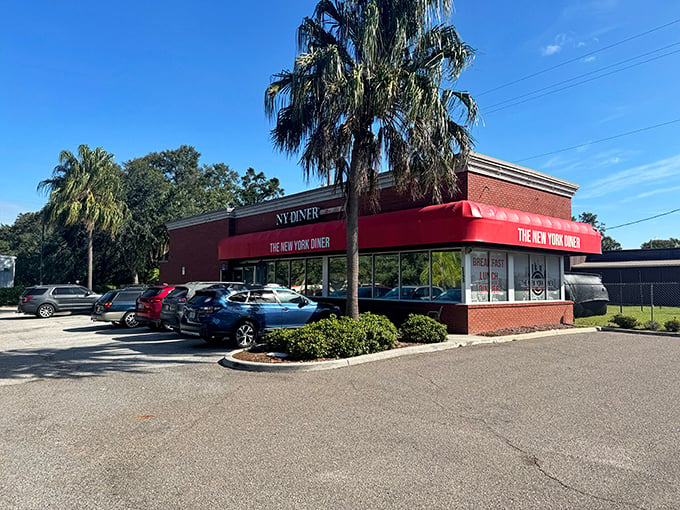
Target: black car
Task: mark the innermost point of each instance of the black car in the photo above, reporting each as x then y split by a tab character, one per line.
588	293
44	300
118	307
173	304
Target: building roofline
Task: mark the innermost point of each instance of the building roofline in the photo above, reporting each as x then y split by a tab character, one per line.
478	164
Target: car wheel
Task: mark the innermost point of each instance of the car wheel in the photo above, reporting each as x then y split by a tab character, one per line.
129	320
245	334
45	311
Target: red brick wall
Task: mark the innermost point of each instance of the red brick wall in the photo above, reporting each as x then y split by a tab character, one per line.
491	317
195	248
488	190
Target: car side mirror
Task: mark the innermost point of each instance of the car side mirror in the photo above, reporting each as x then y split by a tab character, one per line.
302	304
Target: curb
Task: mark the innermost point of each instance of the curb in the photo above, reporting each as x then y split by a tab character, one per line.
638	331
452	342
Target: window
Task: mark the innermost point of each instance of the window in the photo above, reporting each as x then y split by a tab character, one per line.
288	297
386	270
297	275
553	275
479	279
537	277
498	276
282	273
240	297
337	276
522	277
415	276
261	297
314	279
61	291
447	275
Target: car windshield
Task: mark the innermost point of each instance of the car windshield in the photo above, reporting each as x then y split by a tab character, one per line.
179	292
108	296
203	297
152	292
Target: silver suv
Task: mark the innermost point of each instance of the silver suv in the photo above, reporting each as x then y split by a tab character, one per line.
45	300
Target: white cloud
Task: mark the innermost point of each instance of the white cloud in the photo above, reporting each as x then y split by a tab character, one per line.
590	59
658	172
550	50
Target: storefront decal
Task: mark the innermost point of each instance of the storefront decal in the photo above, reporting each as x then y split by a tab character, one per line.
299	245
539	237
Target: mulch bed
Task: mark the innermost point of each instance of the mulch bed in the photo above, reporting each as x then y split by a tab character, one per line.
259	354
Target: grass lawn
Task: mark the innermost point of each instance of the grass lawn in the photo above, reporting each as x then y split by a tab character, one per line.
642	314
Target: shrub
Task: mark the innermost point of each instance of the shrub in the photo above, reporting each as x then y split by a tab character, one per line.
652	325
381	334
672	325
624	321
10	296
336	338
420	328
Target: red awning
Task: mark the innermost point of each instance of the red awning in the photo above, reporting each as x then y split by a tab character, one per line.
455	222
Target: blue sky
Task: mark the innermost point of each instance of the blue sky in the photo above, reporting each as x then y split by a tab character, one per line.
138	77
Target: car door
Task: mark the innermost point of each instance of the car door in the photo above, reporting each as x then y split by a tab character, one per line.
80	299
296	309
63	297
265	308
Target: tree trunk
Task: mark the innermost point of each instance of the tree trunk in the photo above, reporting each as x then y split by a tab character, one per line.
352	240
90	235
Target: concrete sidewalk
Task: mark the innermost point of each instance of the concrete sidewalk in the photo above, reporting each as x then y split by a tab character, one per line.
452	342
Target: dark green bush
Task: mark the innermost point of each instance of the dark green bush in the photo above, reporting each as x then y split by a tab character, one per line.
422	329
672	325
652	325
10	296
624	321
336	338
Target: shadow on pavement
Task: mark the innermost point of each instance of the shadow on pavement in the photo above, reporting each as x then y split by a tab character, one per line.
127	352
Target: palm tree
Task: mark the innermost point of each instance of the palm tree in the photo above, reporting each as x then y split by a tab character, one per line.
85	190
367	88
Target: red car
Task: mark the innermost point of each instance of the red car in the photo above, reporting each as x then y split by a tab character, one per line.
149	305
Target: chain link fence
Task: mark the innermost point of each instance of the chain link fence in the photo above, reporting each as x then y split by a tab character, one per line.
648	296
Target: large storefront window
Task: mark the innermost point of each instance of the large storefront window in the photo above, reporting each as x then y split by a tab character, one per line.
314	280
447	274
415	277
426	275
522	277
537	277
337	276
553	276
386	270
489	279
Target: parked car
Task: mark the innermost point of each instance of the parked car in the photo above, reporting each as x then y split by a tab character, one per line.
417	292
118	307
150	303
453	295
588	293
365	292
45	300
173	304
215	314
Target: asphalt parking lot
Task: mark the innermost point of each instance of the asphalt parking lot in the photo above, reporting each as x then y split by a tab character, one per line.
97	417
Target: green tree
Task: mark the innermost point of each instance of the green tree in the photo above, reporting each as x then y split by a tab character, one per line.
369	86
661	243
256	188
85	190
608	243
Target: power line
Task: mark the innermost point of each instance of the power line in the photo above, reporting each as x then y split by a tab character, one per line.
585	74
637	36
582	82
599	141
644	219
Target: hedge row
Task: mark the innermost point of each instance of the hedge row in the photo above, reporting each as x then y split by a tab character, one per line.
343	337
10	296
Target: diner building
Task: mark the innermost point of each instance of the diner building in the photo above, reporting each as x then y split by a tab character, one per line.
490	257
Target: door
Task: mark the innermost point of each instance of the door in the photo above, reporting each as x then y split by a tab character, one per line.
296	310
